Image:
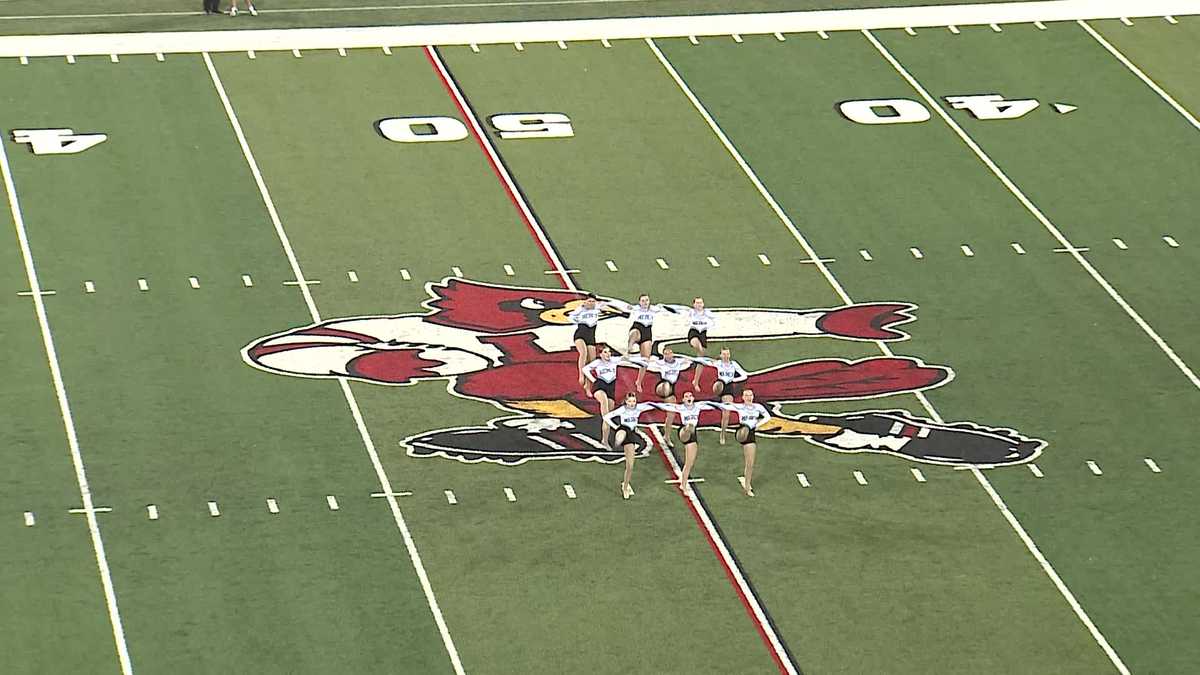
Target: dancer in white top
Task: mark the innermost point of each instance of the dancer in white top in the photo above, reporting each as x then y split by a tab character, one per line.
751	416
730	375
641	332
689	419
625	420
699	320
668	368
585	317
601	384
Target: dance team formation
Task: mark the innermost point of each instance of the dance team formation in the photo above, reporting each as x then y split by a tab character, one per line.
598	376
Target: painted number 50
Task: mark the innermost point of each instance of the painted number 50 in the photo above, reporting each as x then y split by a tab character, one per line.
442	129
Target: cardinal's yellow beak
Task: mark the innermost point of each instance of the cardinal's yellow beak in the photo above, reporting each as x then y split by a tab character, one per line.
779	425
558	315
560	409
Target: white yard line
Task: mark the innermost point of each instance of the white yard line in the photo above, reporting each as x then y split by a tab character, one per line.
714	536
883	347
1141	75
751	599
1054	231
1037	213
64	407
384	482
416	35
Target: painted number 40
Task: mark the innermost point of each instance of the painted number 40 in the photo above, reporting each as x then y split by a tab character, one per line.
508	126
908	111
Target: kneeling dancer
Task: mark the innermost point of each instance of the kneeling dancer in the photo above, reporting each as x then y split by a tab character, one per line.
601	384
730	376
668	368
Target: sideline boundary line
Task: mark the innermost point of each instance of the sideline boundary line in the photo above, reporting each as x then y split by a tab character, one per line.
384	482
1035	211
327	10
1141	75
64	407
762	23
746	594
924	400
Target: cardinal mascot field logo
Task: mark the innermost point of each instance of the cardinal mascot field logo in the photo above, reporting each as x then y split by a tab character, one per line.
513	347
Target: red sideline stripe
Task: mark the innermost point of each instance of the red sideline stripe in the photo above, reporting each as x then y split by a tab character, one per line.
495	169
566	285
762	633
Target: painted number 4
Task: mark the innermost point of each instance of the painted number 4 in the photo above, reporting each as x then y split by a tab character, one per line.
993	106
57	141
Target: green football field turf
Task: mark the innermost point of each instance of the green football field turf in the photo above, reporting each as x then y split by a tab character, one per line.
167	507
